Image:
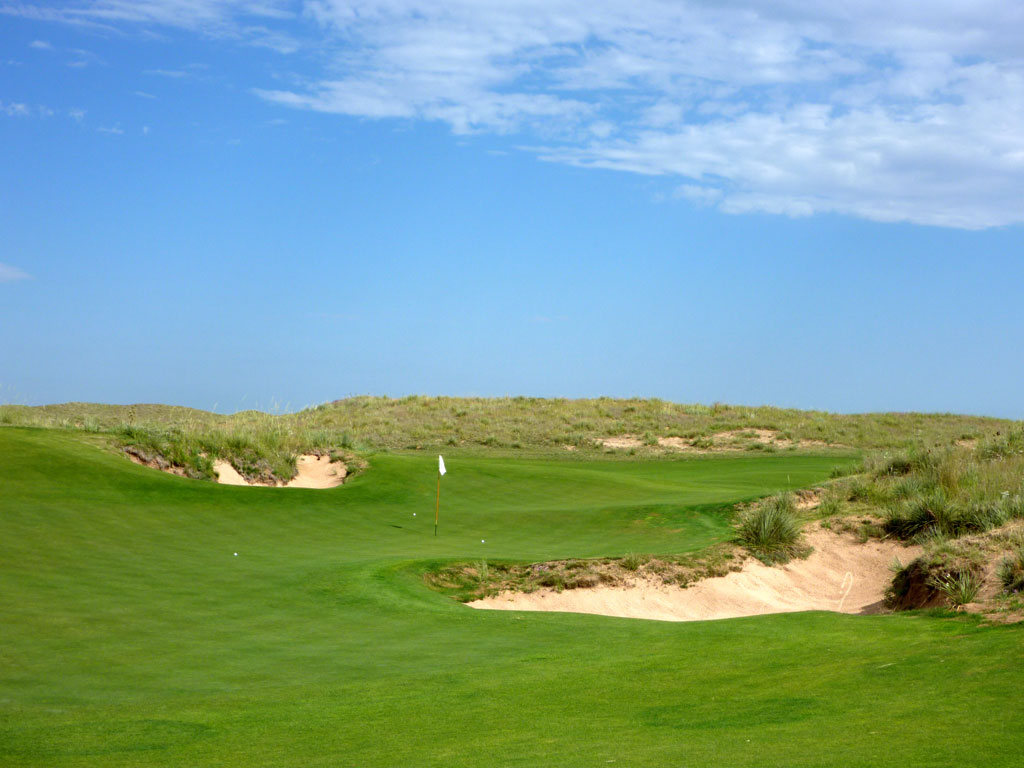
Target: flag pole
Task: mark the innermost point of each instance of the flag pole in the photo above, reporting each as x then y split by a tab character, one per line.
437	506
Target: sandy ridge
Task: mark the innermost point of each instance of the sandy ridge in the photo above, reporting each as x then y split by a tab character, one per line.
730	440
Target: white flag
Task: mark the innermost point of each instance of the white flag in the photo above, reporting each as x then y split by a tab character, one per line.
440	465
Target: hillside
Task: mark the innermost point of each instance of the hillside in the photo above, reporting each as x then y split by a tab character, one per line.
370	424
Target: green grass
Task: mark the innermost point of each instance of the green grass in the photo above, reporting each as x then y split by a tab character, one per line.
130	635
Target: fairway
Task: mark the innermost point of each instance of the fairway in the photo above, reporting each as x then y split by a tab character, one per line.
131	634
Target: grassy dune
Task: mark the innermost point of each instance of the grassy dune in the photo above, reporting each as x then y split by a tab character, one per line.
381	423
131	635
263	445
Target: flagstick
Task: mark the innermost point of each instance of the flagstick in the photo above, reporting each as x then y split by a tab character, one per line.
437	507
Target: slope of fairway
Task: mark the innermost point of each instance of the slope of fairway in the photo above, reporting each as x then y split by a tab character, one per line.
132	635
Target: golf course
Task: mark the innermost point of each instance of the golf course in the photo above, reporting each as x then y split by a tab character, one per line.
149	619
511	384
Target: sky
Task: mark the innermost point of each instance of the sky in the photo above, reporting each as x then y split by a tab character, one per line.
229	204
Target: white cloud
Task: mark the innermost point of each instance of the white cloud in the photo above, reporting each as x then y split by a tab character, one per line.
891	110
15	109
9	274
41	45
115	130
144	95
172	73
244	20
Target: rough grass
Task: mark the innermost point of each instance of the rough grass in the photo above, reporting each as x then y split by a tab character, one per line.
377	423
939	493
264	446
1011	571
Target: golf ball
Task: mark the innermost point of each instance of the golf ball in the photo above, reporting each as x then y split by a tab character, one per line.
482	541
414	514
236	554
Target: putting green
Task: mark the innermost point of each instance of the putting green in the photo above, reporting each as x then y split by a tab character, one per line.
132	635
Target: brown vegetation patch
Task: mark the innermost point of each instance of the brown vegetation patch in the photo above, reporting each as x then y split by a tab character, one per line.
807	499
153	461
470	581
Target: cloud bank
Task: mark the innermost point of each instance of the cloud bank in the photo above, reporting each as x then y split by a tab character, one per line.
889	111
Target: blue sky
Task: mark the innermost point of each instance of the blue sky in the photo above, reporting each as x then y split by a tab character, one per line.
271	204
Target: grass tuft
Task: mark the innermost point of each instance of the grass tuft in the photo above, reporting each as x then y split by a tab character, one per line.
631	561
770	531
1011	571
960	586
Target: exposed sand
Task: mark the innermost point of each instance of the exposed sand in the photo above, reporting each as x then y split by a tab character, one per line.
313	472
840	575
622	442
317	472
226	474
730	440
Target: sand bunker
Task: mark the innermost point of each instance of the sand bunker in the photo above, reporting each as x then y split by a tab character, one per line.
227	474
317	472
840	575
313	472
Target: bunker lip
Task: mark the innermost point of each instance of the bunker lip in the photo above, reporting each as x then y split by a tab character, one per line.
841	575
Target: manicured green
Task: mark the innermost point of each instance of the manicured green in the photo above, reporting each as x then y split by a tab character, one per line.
130	634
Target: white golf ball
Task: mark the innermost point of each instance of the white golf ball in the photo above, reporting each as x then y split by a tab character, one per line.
236	554
482	541
414	514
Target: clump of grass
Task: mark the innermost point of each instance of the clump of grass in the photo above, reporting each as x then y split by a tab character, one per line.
960	586
631	561
935	514
770	531
1003	447
830	505
1011	571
